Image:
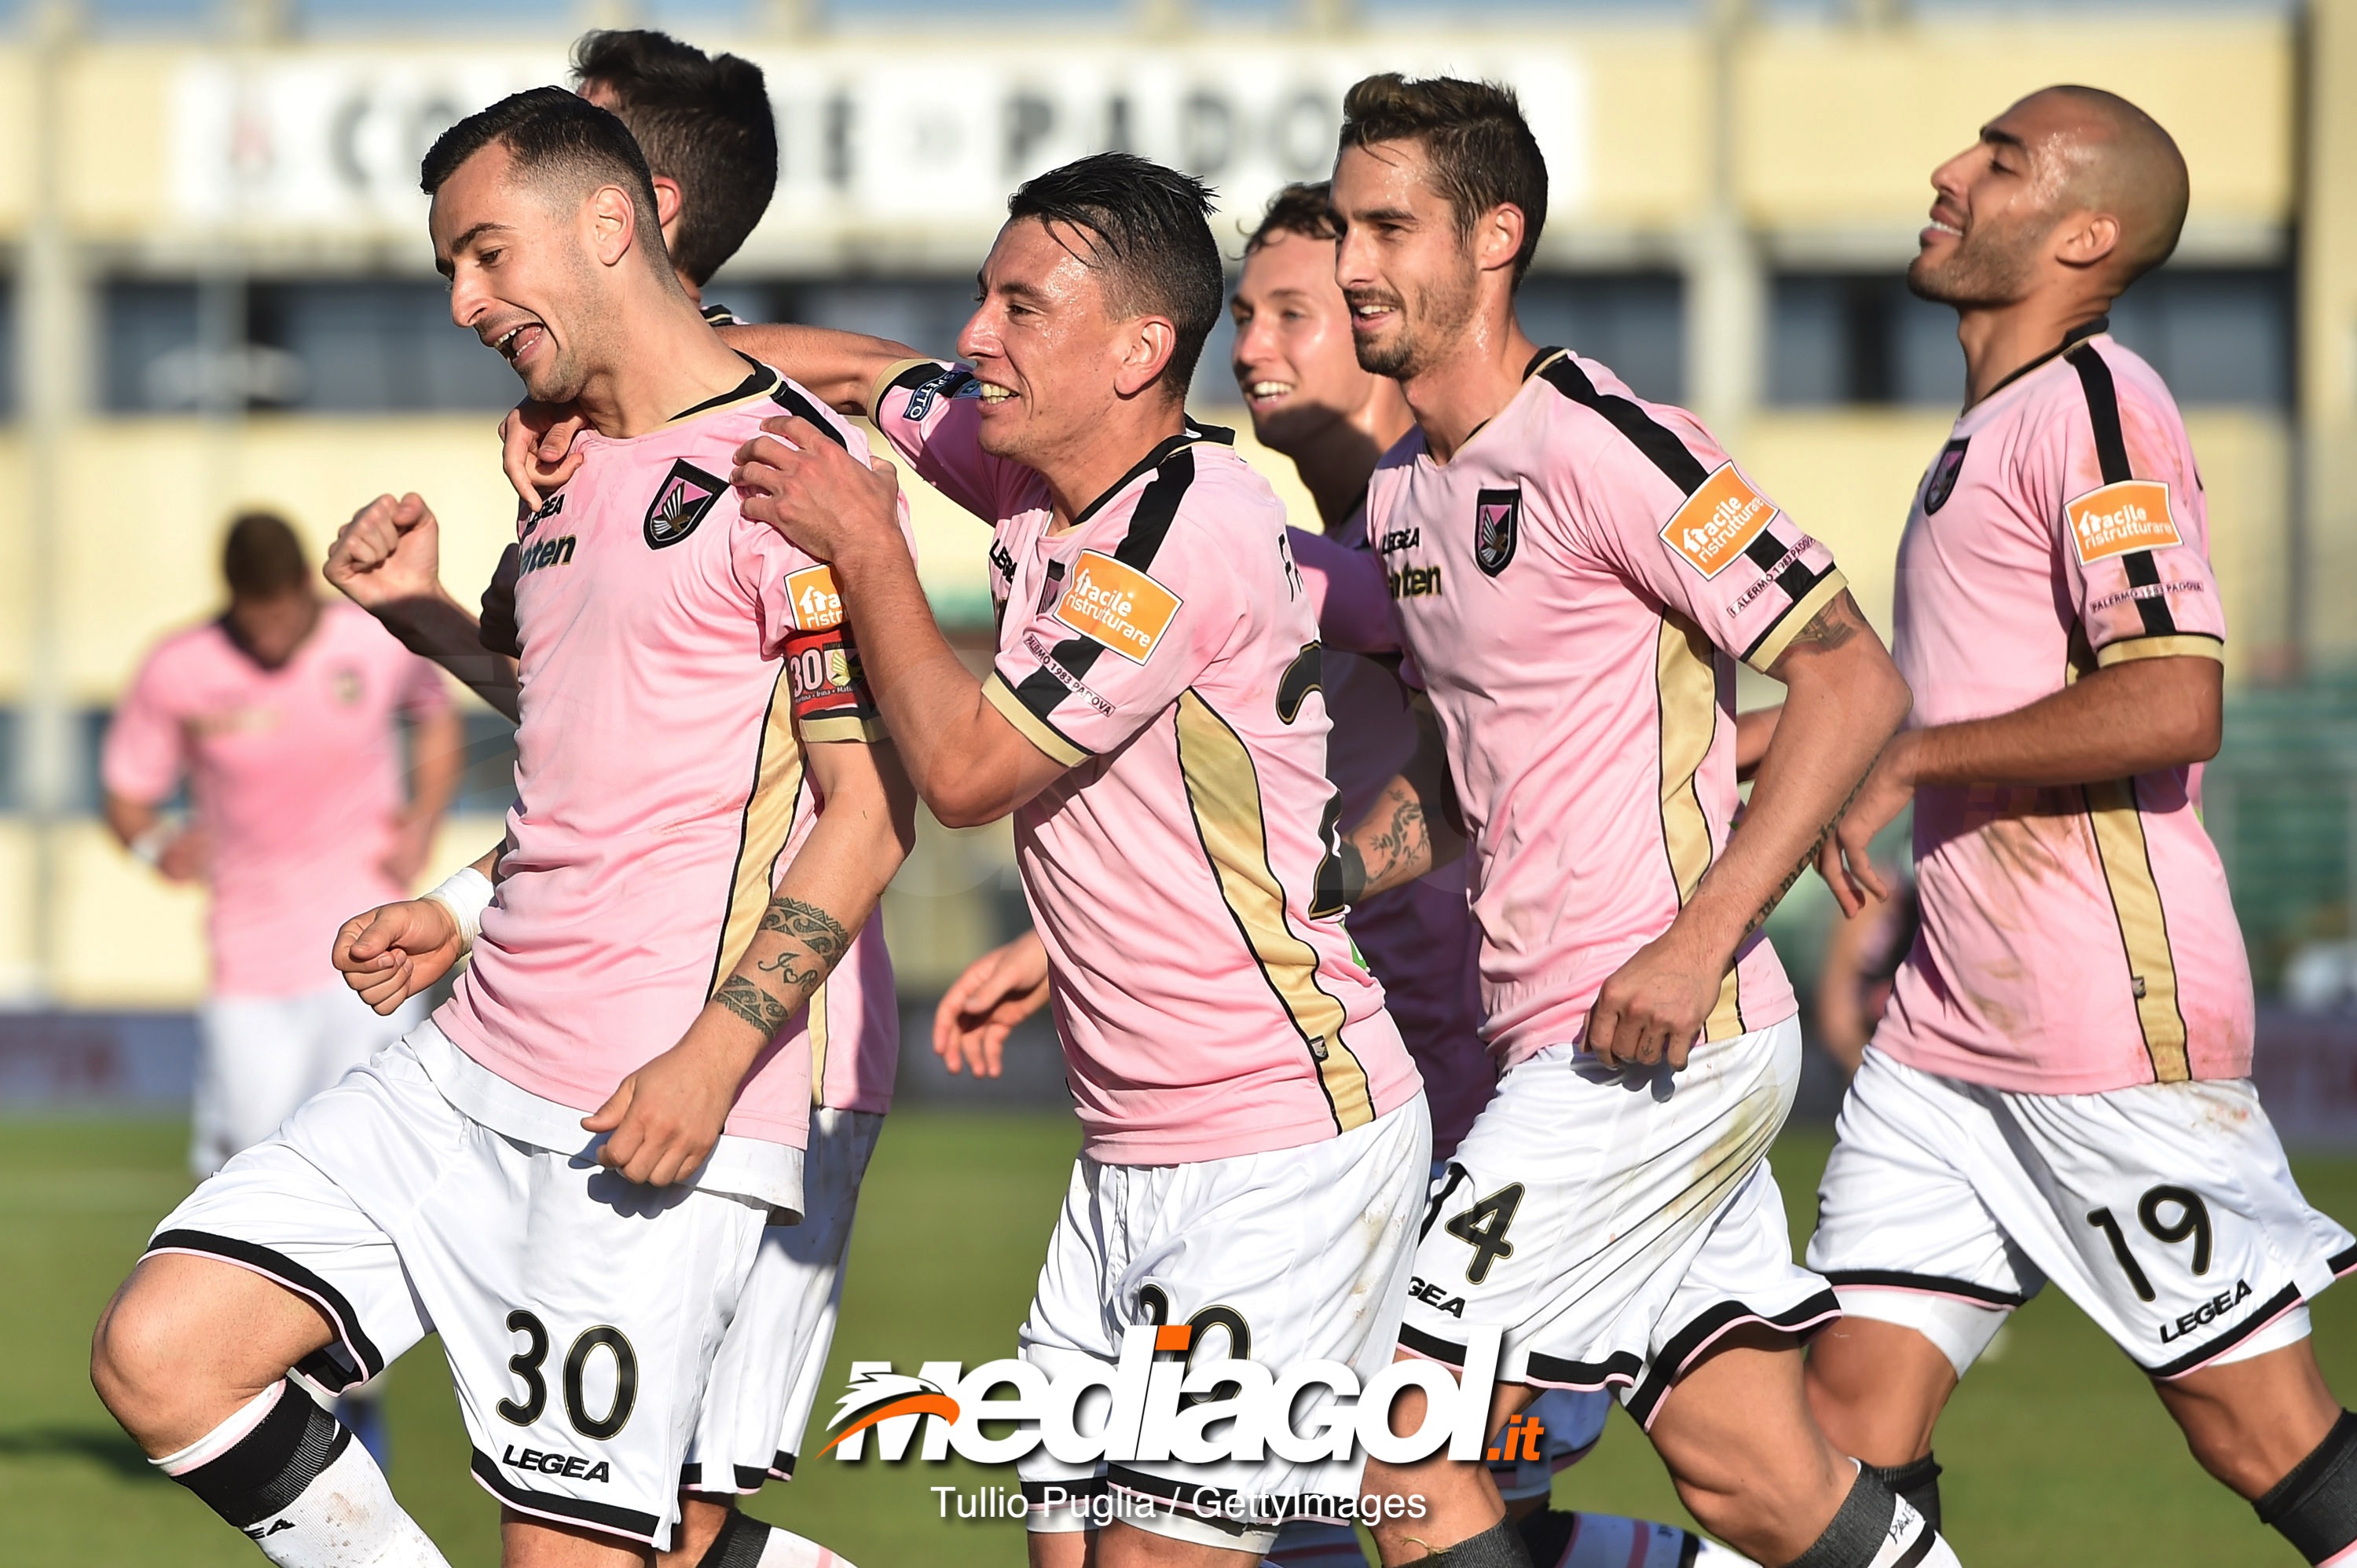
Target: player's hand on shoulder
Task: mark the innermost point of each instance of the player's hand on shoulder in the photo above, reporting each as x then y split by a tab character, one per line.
802	482
997	991
1652	1007
663	1119
390	551
395	951
536	447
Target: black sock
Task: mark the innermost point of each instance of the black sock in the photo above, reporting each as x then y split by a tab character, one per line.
739	1544
1918	1483
1496	1547
273	1465
1546	1532
1861	1531
2315	1506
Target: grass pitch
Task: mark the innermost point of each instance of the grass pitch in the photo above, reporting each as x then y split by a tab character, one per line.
2055	1450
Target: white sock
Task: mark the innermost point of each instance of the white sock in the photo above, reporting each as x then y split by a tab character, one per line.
289	1475
1309	1544
1610	1541
784	1549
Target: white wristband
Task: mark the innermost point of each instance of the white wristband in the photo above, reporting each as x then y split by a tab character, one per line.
465	893
148	848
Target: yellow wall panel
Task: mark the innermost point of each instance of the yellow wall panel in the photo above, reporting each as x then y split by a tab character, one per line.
1841	127
19	974
123	936
117	108
1651	132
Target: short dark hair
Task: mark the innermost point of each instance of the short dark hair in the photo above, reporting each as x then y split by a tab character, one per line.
1479	147
702	120
1304	209
548	128
262	558
1150	239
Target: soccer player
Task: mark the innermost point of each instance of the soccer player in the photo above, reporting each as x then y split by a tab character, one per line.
1576	572
2061	1087
1257	1141
1309	399
283	715
705	124
574	1208
711	140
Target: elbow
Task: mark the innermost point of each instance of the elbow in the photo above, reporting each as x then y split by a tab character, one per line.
963	808
1895	700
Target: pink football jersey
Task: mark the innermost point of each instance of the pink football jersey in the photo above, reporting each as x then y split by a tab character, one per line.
1418	940
1575	585
2074	938
676	656
1182	874
296	775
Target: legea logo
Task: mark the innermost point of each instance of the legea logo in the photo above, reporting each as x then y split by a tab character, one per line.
1143	1408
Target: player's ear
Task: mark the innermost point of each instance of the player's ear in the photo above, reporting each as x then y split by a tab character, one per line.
613	223
667	204
1497	237
2086	239
1145	351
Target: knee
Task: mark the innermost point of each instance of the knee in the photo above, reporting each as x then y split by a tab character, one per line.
132	1354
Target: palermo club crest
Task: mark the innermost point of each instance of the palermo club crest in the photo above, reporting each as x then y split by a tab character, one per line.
1945	469
688	493
1497	528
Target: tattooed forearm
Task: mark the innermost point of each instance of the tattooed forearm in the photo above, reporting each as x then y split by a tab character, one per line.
817	929
1816	846
752	1003
1395	841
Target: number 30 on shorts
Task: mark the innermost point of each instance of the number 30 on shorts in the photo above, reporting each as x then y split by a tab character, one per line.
2192	1219
526	1364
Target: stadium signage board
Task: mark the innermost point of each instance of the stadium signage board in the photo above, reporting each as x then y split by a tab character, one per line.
899	151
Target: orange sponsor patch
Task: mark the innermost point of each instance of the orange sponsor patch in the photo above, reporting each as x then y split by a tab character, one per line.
2120	519
1118	604
817	606
1718	519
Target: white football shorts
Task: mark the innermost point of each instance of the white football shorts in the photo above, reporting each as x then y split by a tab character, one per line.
261	1056
766	1377
1284	1257
1616	1223
580	1313
2165	1210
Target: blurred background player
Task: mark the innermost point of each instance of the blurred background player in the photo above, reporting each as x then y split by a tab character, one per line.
1577	572
705	126
285	716
710	137
2061	1088
1294	365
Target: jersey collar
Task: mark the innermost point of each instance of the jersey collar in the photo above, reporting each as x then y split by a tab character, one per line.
759	380
1195	432
2084	330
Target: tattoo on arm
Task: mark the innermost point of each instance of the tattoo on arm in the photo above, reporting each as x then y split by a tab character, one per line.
815	940
1404	841
753	1004
1760	917
1831	627
817	929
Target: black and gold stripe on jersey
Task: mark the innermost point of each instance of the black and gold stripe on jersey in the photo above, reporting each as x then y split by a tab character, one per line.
2115	814
766	823
1685	666
1223	793
1031	704
1807	591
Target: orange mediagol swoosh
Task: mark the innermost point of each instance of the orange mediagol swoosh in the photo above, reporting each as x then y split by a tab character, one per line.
908	1404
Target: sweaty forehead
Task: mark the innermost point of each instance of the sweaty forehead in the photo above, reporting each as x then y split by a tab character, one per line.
1030	258
1385	174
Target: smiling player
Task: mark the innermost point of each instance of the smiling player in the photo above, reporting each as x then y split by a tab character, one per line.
1256	1139
1576	572
2061	1087
573	1207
